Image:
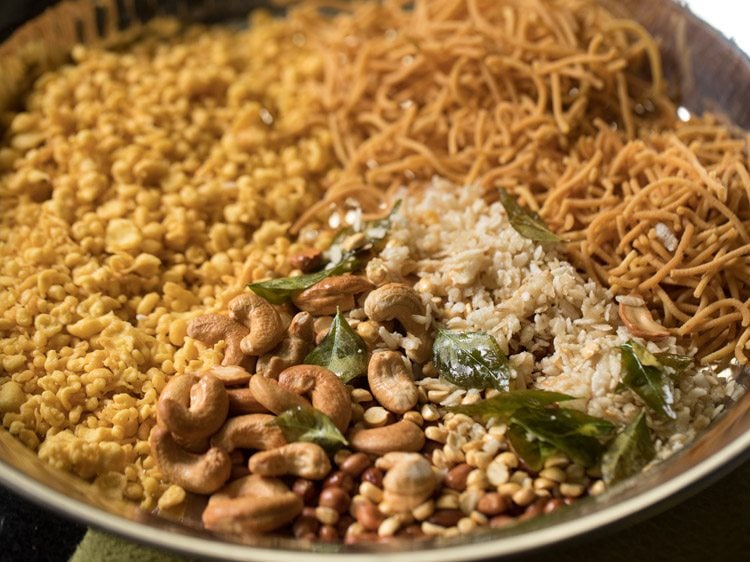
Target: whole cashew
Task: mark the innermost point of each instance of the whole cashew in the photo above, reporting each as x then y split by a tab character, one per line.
409	481
327	393
266	328
251	431
292	350
230	375
306	460
331	294
192	407
242	401
274	397
390	382
202	474
253	504
212	328
396	301
400	436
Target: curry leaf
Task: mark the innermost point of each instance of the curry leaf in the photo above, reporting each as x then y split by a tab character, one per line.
313	426
574	433
630	451
505	404
279	291
342	351
471	360
525	221
644	375
533	451
674	361
374	231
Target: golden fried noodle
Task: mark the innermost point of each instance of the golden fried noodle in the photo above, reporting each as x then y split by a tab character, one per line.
565	105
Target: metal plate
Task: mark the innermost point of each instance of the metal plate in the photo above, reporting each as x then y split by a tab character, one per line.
692	52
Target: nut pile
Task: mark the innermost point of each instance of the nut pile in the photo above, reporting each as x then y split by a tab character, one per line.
411	469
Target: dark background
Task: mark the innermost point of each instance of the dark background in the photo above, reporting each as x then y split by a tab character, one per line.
15	12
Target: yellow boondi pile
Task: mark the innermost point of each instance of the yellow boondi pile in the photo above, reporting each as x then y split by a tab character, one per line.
133	188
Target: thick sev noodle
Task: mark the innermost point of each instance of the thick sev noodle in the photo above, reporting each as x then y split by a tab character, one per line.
563	104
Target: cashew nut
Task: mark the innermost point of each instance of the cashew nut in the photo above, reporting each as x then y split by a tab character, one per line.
293	349
640	323
251	431
191	407
253	504
327	393
306	460
396	301
390	382
230	375
202	474
242	401
274	397
266	329
212	328
409	481
331	294
400	436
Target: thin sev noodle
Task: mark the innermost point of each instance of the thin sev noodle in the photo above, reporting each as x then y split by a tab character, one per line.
563	104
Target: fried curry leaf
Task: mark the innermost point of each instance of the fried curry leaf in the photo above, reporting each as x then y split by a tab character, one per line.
279	291
644	375
342	351
674	361
471	360
313	426
533	451
574	433
630	451
525	221
374	231
505	404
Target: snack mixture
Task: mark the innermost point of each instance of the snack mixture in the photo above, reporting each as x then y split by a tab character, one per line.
417	353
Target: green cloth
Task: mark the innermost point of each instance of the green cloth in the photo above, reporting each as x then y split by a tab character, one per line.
713	526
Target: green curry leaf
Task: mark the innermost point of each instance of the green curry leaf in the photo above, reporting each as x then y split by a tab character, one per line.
644	375
471	360
525	221
313	426
342	351
374	231
574	433
279	291
505	404
630	451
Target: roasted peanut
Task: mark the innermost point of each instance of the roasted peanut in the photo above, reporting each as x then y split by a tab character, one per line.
639	322
408	482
